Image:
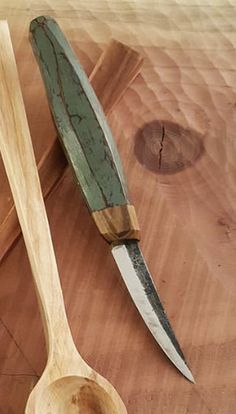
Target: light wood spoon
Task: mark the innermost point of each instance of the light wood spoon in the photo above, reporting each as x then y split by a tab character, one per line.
68	385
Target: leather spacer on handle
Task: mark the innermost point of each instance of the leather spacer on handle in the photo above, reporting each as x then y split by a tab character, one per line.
117	223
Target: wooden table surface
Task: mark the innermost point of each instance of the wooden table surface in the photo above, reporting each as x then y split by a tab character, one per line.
175	129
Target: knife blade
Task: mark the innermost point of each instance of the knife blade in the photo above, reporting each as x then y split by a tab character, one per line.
90	149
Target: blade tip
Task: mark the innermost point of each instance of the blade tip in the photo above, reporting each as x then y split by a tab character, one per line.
189	376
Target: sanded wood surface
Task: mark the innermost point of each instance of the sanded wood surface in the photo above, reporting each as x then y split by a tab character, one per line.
175	131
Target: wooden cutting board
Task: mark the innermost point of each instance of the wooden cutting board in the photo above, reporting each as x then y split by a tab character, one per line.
175	129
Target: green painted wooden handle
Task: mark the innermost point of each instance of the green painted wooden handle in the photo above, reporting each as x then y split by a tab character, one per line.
79	118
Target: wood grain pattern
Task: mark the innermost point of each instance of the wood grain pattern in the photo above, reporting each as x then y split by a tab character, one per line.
67	383
187	218
115	70
118	65
117	223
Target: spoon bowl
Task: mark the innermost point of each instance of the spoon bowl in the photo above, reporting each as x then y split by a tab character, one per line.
76	395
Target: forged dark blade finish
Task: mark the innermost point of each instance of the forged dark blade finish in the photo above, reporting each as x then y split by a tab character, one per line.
139	282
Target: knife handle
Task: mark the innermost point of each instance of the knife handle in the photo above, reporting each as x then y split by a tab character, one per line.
84	133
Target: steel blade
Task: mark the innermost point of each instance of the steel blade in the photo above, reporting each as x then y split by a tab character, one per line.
138	280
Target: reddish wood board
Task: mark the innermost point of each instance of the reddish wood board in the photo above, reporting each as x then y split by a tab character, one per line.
185	198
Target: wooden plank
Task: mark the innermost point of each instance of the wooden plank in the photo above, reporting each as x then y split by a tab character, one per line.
12	356
187	217
120	65
115	70
14	391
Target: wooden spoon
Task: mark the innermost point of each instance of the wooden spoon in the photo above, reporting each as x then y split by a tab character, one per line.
68	385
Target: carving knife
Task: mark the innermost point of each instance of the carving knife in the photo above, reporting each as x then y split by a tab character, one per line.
91	151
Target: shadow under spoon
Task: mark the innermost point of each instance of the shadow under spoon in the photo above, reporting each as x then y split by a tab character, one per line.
67	385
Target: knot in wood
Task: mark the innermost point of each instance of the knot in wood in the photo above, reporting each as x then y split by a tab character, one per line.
166	147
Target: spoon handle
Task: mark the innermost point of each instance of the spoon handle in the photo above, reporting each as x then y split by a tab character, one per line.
18	158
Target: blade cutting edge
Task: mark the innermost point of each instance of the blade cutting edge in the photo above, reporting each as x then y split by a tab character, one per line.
138	280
